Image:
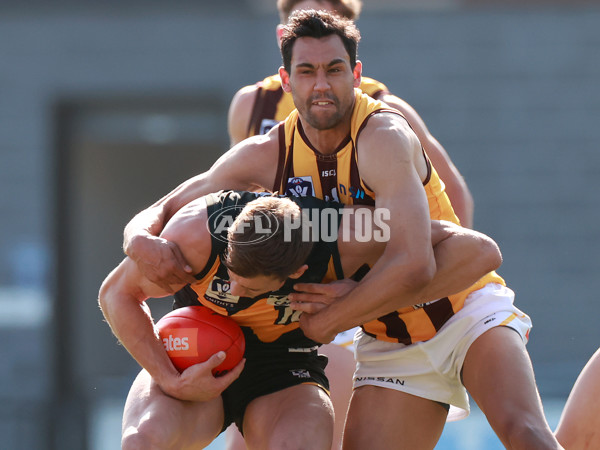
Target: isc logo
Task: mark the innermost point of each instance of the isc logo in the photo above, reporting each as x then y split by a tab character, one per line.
181	341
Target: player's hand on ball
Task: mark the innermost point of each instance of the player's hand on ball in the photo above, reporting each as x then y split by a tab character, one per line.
197	383
193	334
161	262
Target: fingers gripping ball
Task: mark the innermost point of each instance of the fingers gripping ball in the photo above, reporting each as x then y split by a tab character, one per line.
193	334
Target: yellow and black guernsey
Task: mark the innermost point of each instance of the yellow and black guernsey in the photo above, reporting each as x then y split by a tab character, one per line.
272	105
302	170
267	318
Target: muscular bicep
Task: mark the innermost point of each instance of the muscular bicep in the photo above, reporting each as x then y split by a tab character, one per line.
392	165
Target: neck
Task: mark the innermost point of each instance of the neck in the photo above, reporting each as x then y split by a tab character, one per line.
327	142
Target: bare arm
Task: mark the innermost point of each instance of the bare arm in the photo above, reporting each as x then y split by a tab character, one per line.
462	257
122	300
247	166
456	187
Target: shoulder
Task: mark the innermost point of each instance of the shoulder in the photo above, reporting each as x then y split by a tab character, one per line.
373	87
385	123
385	138
405	108
240	110
243	96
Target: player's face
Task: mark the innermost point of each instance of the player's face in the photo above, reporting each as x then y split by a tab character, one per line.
322	82
254	286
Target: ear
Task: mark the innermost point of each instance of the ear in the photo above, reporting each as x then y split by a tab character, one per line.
279	32
285	80
357	72
298	273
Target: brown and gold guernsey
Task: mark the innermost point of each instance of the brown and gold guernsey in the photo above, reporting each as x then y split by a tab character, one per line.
268	318
272	105
303	171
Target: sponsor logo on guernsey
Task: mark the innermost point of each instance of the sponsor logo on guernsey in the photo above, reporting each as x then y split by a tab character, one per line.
181	342
300	187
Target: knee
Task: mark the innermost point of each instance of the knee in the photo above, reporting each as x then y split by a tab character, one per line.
144	437
316	442
134	441
519	433
283	434
282	438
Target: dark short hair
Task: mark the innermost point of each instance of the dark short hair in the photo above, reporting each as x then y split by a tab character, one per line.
249	254
350	9
318	24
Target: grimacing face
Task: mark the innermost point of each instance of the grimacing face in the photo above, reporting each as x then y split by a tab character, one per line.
322	82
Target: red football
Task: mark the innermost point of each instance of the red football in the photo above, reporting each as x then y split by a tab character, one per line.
193	334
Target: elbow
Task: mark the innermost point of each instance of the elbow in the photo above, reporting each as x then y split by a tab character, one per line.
104	296
419	274
491	256
108	294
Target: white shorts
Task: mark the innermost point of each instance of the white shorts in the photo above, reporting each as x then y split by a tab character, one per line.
346	338
432	369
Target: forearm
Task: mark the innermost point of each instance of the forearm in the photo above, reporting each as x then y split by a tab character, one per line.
131	322
389	286
462	258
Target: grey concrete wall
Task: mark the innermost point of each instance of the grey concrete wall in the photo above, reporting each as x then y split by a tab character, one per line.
513	95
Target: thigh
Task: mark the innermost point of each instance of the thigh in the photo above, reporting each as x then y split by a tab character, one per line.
152	416
297	417
381	418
